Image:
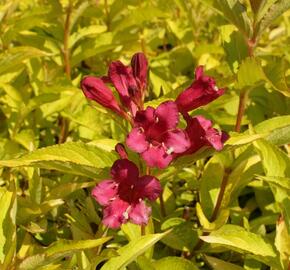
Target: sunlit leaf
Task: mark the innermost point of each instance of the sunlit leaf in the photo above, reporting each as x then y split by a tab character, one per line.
234	12
218	264
91	47
276	9
211	226
276	164
59	249
15	57
275	73
131	251
237	238
89	31
277	129
182	236
7	228
176	263
73	157
250	72
282	241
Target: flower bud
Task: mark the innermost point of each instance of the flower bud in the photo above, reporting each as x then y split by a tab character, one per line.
120	149
95	89
139	66
202	91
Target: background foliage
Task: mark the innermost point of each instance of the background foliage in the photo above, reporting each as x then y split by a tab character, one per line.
55	146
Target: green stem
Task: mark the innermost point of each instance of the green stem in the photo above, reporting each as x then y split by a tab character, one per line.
66	49
64	124
104	234
241	110
216	208
220	196
143	229
244	94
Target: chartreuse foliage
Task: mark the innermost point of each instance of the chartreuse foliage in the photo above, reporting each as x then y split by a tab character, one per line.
225	210
72	157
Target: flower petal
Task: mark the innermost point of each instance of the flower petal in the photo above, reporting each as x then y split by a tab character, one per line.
144	118
116	213
196	134
198	72
155	156
120	149
95	89
167	114
214	137
118	74
139	65
176	141
148	187
203	122
201	133
140	213
136	140
105	191
225	136
124	82
124	170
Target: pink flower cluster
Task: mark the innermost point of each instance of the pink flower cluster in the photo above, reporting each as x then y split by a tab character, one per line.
123	196
129	81
155	134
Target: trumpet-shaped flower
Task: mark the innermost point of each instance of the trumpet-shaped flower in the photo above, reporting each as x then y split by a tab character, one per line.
202	91
95	89
123	196
201	133
155	135
130	81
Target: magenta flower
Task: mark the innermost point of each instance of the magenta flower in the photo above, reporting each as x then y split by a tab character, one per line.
139	66
202	91
130	82
155	135
95	89
201	133
123	195
120	149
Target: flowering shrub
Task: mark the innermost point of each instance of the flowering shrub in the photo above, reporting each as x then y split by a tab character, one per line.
144	135
154	135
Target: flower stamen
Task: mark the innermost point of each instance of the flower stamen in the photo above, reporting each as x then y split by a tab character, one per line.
170	150
215	88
